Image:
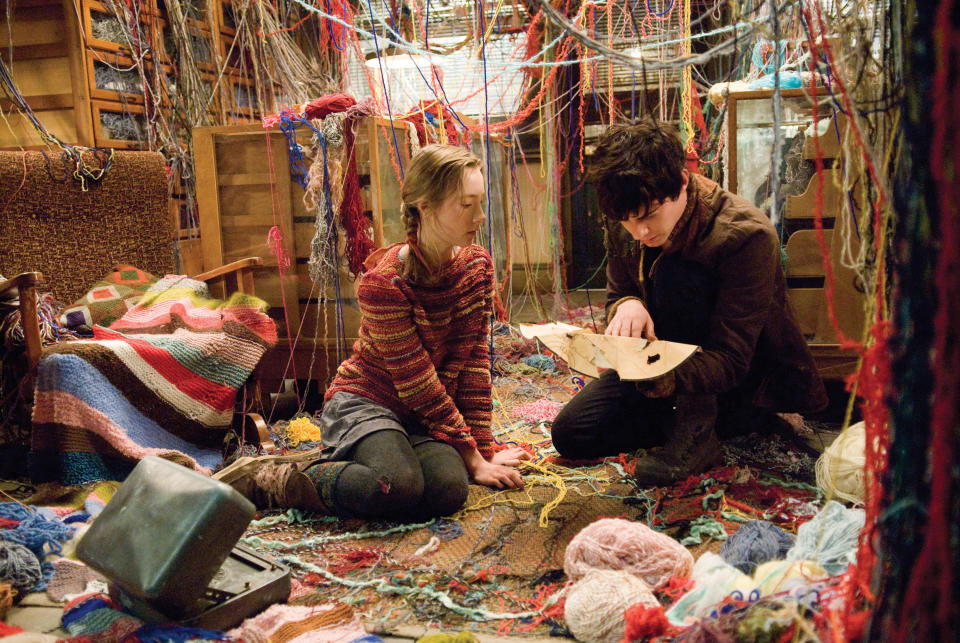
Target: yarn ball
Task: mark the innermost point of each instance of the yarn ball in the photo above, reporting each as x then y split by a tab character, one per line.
830	538
540	362
756	542
713	579
596	604
615	543
777	576
841	466
19	567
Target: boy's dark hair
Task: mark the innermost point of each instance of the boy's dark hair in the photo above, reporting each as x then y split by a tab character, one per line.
635	164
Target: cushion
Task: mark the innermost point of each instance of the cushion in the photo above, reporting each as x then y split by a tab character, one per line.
109	298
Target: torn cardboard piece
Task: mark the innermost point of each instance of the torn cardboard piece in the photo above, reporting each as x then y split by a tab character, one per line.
633	358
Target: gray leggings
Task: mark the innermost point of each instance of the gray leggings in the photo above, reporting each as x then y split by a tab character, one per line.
391	478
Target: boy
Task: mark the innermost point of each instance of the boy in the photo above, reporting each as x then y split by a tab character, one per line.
689	262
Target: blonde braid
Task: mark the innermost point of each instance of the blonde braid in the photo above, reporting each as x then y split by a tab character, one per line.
418	270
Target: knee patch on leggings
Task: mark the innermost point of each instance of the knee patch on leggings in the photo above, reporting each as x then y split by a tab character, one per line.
363	492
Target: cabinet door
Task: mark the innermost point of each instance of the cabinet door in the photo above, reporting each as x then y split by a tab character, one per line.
751	138
809	252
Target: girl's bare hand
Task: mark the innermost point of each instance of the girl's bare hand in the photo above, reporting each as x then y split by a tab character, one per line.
497	476
510	457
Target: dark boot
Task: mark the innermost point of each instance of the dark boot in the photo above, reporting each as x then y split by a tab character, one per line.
692	448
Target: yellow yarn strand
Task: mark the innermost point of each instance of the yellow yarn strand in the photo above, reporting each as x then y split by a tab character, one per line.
558	482
493	20
686	78
543	476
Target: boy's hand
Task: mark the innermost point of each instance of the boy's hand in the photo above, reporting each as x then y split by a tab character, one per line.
631	320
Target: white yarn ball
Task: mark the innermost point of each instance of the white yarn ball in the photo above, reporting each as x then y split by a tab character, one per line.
595	605
841	466
615	543
713	578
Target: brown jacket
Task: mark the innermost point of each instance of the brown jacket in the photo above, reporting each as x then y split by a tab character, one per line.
754	346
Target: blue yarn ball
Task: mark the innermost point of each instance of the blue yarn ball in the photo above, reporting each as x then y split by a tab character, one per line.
19	567
540	362
754	543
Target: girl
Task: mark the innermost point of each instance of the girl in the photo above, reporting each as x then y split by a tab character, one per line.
406	420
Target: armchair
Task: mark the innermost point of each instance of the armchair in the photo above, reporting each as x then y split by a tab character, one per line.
57	237
223	281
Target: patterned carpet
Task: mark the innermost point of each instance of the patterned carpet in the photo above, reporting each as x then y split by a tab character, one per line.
496	566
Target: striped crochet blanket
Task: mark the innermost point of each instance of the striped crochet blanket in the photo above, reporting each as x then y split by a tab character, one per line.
161	380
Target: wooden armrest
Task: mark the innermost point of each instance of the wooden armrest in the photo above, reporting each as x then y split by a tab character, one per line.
25	285
237	276
236	266
12	286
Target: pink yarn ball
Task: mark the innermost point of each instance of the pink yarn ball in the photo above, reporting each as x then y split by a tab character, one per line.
614	543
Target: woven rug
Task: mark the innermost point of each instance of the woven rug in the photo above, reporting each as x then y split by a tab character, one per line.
496	567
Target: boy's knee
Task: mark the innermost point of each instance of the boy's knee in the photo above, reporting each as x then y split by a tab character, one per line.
562	431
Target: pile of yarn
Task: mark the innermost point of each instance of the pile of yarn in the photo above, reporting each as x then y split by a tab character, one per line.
302	429
540	362
26	538
615	564
777	564
541	410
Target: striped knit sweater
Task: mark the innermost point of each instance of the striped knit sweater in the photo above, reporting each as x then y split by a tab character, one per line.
422	349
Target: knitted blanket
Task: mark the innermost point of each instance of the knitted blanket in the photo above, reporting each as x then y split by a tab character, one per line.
161	380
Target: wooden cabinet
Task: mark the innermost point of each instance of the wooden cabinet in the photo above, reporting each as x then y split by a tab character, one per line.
103	29
250	201
47	65
225	16
749	159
